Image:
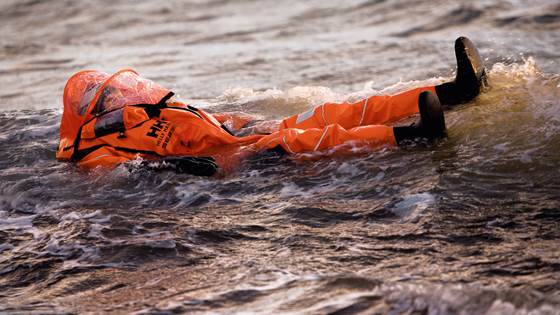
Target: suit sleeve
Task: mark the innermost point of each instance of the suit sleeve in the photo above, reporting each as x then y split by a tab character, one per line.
234	120
105	157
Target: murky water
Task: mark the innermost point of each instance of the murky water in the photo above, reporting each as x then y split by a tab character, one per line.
470	226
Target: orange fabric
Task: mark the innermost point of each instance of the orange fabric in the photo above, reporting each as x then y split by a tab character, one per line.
234	121
175	133
374	110
124	88
79	92
90	92
106	157
114	131
295	140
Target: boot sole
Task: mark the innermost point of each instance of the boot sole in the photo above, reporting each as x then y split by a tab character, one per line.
468	57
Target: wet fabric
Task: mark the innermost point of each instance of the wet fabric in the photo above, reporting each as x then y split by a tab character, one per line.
126	118
90	93
79	93
374	110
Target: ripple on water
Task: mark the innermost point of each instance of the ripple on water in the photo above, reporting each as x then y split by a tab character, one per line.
475	214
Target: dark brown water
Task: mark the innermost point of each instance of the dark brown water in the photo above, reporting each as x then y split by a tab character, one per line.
470	226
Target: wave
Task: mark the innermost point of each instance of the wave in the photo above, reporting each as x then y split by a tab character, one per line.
494	176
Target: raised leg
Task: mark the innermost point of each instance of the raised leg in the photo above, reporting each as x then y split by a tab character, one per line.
375	110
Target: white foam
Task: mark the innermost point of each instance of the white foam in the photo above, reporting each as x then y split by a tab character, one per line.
347	168
412	206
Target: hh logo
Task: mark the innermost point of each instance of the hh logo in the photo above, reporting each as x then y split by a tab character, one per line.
156	128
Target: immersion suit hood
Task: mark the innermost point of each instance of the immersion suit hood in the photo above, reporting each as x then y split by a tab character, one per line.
90	93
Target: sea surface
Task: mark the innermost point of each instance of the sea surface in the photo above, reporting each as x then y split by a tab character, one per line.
468	226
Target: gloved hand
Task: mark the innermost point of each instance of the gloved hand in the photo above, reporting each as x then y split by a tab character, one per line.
199	166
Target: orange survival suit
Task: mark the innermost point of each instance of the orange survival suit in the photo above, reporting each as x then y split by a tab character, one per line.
112	119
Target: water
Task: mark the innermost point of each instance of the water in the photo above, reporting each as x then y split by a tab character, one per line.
470	226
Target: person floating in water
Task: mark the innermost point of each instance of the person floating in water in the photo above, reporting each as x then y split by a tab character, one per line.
113	119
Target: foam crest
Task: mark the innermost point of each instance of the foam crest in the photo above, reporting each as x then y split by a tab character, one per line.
276	103
310	94
412	206
522	94
281	103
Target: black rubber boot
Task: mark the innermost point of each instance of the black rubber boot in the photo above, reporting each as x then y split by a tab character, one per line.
471	75
429	128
